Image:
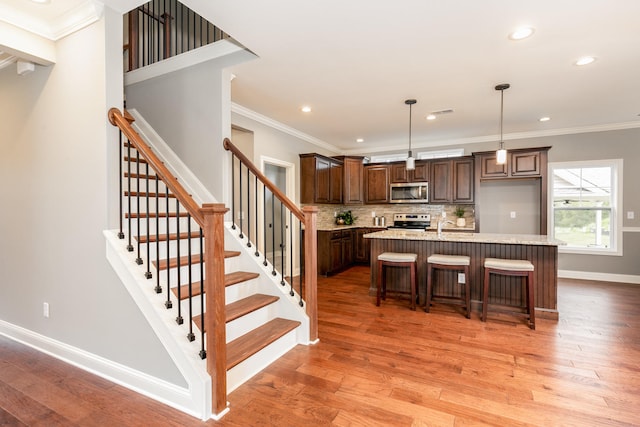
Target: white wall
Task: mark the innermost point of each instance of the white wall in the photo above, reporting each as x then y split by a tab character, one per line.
53	189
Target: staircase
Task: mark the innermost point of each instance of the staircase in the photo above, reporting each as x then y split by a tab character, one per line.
160	227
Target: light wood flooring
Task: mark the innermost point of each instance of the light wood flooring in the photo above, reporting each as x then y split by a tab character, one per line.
389	366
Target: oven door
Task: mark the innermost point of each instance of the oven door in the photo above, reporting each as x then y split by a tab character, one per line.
414	192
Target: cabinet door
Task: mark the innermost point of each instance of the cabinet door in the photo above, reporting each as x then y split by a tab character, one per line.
490	169
440	183
525	164
399	173
347	248
362	246
323	180
353	181
421	172
462	180
376	184
335	251
335	183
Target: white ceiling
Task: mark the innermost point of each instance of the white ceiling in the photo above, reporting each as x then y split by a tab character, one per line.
355	62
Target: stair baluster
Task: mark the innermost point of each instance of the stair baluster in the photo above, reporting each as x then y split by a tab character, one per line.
168	304
138	192
190	336
158	288
148	273
179	319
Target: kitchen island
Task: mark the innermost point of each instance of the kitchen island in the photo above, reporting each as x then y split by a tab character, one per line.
540	250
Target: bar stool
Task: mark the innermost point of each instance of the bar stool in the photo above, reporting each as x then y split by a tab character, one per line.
510	267
449	262
395	259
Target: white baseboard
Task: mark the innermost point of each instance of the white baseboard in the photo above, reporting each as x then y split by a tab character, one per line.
603	277
125	376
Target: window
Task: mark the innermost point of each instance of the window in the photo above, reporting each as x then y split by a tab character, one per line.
586	206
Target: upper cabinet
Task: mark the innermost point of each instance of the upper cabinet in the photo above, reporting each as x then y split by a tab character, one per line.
320	179
451	181
526	163
376	183
352	180
399	172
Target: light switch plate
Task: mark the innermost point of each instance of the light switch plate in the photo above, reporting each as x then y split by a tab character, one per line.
631	215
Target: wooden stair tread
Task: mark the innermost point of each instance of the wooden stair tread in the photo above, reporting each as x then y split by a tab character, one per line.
241	307
249	344
163	237
139	175
134	159
184	260
229	279
155	215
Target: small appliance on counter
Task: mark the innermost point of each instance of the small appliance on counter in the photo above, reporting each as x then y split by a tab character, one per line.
409	221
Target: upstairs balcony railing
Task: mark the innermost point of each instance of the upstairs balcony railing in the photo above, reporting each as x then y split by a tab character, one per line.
161	29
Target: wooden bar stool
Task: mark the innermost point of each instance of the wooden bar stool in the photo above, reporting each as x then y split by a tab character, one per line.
395	259
449	262
510	267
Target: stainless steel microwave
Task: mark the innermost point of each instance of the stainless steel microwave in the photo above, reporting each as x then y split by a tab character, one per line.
409	192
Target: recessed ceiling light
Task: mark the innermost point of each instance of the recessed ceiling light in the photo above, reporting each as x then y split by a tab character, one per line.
431	116
544	119
585	60
521	33
359	140
41	1
306	109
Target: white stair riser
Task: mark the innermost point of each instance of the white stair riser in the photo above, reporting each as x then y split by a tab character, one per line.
249	322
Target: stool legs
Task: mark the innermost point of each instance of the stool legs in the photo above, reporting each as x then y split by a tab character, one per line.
529	290
467	292
381	288
413	285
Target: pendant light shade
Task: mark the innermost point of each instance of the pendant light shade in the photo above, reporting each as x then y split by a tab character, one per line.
411	161
501	154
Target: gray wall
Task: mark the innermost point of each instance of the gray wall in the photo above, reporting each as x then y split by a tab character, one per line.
53	189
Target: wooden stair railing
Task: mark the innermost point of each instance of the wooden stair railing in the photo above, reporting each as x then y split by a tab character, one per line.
307	216
210	218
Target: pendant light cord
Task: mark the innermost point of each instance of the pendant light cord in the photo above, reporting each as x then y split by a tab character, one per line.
501	115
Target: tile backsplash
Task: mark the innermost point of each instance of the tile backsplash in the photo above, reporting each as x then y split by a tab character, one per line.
364	213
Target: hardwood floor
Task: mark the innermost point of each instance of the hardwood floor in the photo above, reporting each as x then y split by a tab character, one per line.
389	366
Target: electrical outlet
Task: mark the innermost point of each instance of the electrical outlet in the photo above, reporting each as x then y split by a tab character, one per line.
373	214
631	215
461	278
45	309
513	214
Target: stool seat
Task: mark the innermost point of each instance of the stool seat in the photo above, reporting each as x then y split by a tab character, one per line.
511	267
508	264
449	262
449	259
397	257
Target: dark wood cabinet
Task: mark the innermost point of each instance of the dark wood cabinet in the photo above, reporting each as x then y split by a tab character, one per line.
320	179
335	251
399	172
353	179
361	254
520	163
376	183
452	181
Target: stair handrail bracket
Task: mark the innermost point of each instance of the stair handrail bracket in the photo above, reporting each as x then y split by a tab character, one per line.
307	217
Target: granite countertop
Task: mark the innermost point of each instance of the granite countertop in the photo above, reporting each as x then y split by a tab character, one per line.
518	239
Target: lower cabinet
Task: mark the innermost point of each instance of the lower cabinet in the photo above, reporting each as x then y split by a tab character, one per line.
362	251
335	251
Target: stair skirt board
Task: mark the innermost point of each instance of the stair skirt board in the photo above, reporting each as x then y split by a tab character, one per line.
243	371
197	396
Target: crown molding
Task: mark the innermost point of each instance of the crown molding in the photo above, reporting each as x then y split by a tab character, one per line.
250	114
72	20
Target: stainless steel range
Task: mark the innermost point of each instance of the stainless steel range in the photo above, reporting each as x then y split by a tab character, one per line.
411	221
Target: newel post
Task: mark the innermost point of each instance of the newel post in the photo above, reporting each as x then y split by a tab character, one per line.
311	268
216	348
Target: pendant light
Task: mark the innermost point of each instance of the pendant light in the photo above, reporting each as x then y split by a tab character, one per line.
501	154
411	161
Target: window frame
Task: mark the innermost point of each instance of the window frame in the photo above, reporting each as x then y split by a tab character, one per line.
616	220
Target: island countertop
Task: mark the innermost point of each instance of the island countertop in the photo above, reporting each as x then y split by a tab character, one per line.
517	239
